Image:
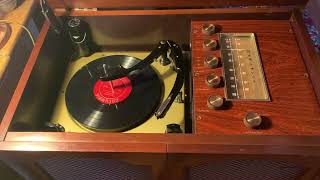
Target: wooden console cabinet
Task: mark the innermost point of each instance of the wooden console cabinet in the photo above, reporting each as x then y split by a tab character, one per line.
283	42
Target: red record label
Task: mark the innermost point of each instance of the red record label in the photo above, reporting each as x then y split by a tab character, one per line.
112	92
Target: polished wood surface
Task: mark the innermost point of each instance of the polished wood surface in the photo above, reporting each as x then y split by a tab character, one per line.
249	12
83	147
294	108
124	4
171	143
171	155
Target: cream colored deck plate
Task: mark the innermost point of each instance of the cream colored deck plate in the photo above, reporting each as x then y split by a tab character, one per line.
153	125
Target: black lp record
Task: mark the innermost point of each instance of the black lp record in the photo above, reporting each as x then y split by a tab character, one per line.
117	105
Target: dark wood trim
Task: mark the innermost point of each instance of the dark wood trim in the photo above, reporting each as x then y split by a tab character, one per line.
163	138
83	147
127	4
311	173
310	56
197	159
173	143
221	11
22	82
244	149
87	137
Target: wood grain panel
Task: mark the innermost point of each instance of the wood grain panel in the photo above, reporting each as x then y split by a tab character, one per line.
174	143
83	147
168	3
163	138
258	142
249	12
293	110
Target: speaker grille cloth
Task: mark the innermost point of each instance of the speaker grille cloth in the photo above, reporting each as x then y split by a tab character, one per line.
245	170
79	168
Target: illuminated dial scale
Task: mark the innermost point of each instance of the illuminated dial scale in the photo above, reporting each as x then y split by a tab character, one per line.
243	72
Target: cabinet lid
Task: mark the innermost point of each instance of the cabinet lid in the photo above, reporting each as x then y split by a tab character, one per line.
141	4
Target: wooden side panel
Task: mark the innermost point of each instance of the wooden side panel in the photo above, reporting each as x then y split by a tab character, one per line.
167	3
217	13
310	57
294	108
172	143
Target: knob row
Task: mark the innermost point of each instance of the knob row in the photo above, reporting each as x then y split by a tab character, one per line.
251	120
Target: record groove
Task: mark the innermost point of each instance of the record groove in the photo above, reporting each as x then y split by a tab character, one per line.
92	105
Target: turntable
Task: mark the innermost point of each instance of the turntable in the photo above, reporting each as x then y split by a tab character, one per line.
118	91
128	102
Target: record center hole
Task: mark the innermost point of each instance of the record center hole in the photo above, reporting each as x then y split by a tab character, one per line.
112	92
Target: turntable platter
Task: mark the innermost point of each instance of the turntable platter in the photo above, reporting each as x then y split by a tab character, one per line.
117	105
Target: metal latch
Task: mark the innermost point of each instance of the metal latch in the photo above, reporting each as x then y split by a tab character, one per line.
85	9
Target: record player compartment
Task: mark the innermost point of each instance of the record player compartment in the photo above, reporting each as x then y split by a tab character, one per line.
39	99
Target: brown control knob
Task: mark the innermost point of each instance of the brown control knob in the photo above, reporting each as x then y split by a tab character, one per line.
213	81
211	62
252	120
215	102
210	44
208	29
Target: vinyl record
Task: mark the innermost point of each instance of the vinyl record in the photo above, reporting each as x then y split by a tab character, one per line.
117	105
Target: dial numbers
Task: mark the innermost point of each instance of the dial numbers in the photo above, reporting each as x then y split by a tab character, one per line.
242	67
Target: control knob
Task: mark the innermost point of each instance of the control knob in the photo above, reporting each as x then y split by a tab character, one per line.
215	102
210	44
252	120
208	29
213	81
211	62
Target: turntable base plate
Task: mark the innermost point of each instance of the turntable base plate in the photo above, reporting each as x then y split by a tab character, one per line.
153	125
